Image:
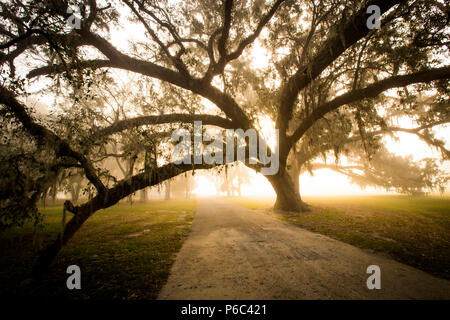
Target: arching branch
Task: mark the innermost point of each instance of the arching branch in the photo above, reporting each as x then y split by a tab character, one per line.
304	156
162	119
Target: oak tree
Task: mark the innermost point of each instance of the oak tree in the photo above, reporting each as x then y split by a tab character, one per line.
330	80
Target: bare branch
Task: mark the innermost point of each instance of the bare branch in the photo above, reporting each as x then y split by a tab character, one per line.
217	68
92	13
168	25
177	62
247	41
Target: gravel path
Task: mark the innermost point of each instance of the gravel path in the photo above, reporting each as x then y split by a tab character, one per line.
236	253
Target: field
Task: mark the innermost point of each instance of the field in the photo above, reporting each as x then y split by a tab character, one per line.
124	252
415	231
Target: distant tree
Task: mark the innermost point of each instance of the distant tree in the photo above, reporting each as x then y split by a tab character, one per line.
182	186
392	173
231	179
74	184
330	77
167	190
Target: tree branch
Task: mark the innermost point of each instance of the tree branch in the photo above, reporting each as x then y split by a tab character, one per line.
125	62
217	68
161	119
61	147
353	30
58	68
303	156
228	7
370	91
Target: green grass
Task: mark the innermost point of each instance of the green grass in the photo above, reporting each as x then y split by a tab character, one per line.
124	252
415	231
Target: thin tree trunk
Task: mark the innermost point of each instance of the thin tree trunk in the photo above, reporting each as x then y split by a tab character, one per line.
143	197
187	186
227	182
167	190
54	191
131	163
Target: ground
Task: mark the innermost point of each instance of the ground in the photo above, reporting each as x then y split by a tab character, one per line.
124	252
236	253
127	252
412	230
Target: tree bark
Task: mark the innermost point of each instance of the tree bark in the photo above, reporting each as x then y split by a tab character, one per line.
294	169
288	199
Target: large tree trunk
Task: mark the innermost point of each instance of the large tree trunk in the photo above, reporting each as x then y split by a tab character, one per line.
286	186
288	198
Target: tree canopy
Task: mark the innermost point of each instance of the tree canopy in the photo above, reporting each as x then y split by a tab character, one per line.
124	74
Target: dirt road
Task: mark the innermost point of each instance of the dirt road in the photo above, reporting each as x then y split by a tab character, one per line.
236	253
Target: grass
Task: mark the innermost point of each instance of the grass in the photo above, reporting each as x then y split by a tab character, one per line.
124	252
415	231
